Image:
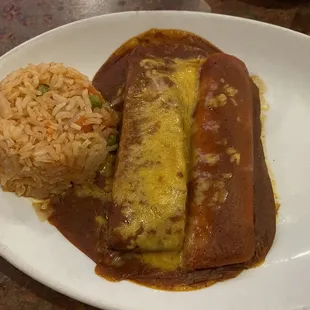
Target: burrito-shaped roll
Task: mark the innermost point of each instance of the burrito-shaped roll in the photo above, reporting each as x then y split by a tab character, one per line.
150	183
220	228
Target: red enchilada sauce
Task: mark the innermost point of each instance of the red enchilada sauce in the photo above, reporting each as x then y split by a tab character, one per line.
83	220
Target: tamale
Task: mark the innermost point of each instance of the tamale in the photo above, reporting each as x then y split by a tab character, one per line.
150	183
220	227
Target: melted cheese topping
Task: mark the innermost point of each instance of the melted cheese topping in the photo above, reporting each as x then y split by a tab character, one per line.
150	185
163	261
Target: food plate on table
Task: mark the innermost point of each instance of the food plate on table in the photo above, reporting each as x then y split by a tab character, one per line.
170	157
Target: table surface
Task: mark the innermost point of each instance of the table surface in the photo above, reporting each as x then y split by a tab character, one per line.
21	20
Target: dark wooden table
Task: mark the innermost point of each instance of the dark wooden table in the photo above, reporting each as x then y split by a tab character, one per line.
22	19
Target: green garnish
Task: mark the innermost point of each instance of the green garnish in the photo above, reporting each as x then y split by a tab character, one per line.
110	158
95	101
43	88
112	139
107	169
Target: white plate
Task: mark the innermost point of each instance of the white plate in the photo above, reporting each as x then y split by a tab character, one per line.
281	58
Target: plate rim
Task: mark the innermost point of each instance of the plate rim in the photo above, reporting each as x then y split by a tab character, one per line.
5	251
159	12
